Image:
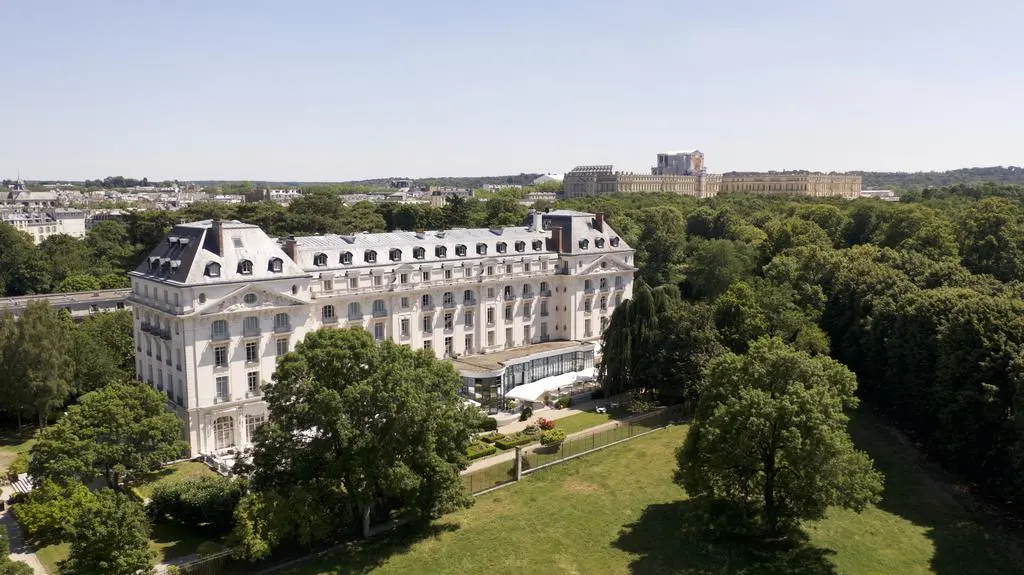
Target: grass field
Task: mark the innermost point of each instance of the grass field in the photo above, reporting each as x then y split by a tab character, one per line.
169	542
144	485
581	421
13	443
617	511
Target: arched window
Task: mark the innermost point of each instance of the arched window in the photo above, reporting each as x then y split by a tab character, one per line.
251	326
467	296
501	247
527	289
520	246
460	250
449	298
584	244
538	245
379	308
224	432
370	257
276	265
282	323
320	260
440	252
615	242
395	255
355	311
599	243
213	270
481	249
346	258
327	313
419	253
219	330
508	292
604	283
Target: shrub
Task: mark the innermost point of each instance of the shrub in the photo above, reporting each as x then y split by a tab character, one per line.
518	438
489	424
478	449
526	413
552	437
530	429
546	424
491	437
48	512
197	500
207	548
563	402
20	464
598	394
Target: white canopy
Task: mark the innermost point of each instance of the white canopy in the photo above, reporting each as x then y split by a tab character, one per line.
534	390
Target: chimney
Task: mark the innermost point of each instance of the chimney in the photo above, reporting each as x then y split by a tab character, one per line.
538	221
217	237
555	243
289	247
599	221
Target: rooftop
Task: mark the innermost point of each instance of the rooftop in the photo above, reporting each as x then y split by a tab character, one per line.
497	360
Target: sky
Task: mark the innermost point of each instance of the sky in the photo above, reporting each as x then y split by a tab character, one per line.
329	90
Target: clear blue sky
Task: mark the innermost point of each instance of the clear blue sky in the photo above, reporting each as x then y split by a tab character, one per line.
332	90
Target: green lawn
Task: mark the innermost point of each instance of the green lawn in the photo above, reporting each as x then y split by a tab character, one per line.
13	443
618	511
581	421
144	485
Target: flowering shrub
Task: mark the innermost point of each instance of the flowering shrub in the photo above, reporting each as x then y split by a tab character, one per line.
546	424
552	437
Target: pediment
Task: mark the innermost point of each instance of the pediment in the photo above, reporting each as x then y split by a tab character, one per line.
235	301
614	264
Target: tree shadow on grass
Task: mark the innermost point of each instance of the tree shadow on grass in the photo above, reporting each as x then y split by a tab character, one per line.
967	537
366	556
671	538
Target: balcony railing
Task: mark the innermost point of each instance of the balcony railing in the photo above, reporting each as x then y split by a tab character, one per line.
380	313
588	289
223	336
470	301
545	293
604	289
510	297
427	306
283	328
450	305
529	295
254	393
251	332
221	398
164	334
331	319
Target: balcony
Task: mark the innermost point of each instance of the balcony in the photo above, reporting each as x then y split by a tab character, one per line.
510	297
224	336
470	301
221	399
251	333
427	306
545	293
589	290
286	328
529	295
164	334
380	313
331	319
605	289
619	287
256	393
450	305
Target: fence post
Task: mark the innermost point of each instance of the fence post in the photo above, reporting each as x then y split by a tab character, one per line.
519	463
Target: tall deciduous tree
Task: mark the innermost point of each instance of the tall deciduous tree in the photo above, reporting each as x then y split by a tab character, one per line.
114	432
770	438
103	351
41	359
110	537
714	265
358	423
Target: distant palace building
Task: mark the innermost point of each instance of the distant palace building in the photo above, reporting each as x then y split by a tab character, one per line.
684	173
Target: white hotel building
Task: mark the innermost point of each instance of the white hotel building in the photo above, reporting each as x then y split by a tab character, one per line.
217	303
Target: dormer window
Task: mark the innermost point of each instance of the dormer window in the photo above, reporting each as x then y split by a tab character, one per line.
599	243
419	253
520	246
538	245
346	258
370	257
395	255
276	265
320	260
460	250
245	267
501	248
213	270
481	249
441	252
615	242
584	244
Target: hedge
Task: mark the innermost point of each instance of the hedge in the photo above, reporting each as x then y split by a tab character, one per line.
476	450
197	500
492	437
518	438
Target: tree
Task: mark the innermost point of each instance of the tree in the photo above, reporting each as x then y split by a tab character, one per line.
22	268
114	432
355	424
79	282
15	399
714	265
66	255
110	246
40	360
111	537
739	317
770	439
103	351
991	238
9	566
48	512
659	247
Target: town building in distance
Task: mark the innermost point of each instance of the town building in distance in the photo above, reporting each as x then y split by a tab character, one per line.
217	303
685	173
